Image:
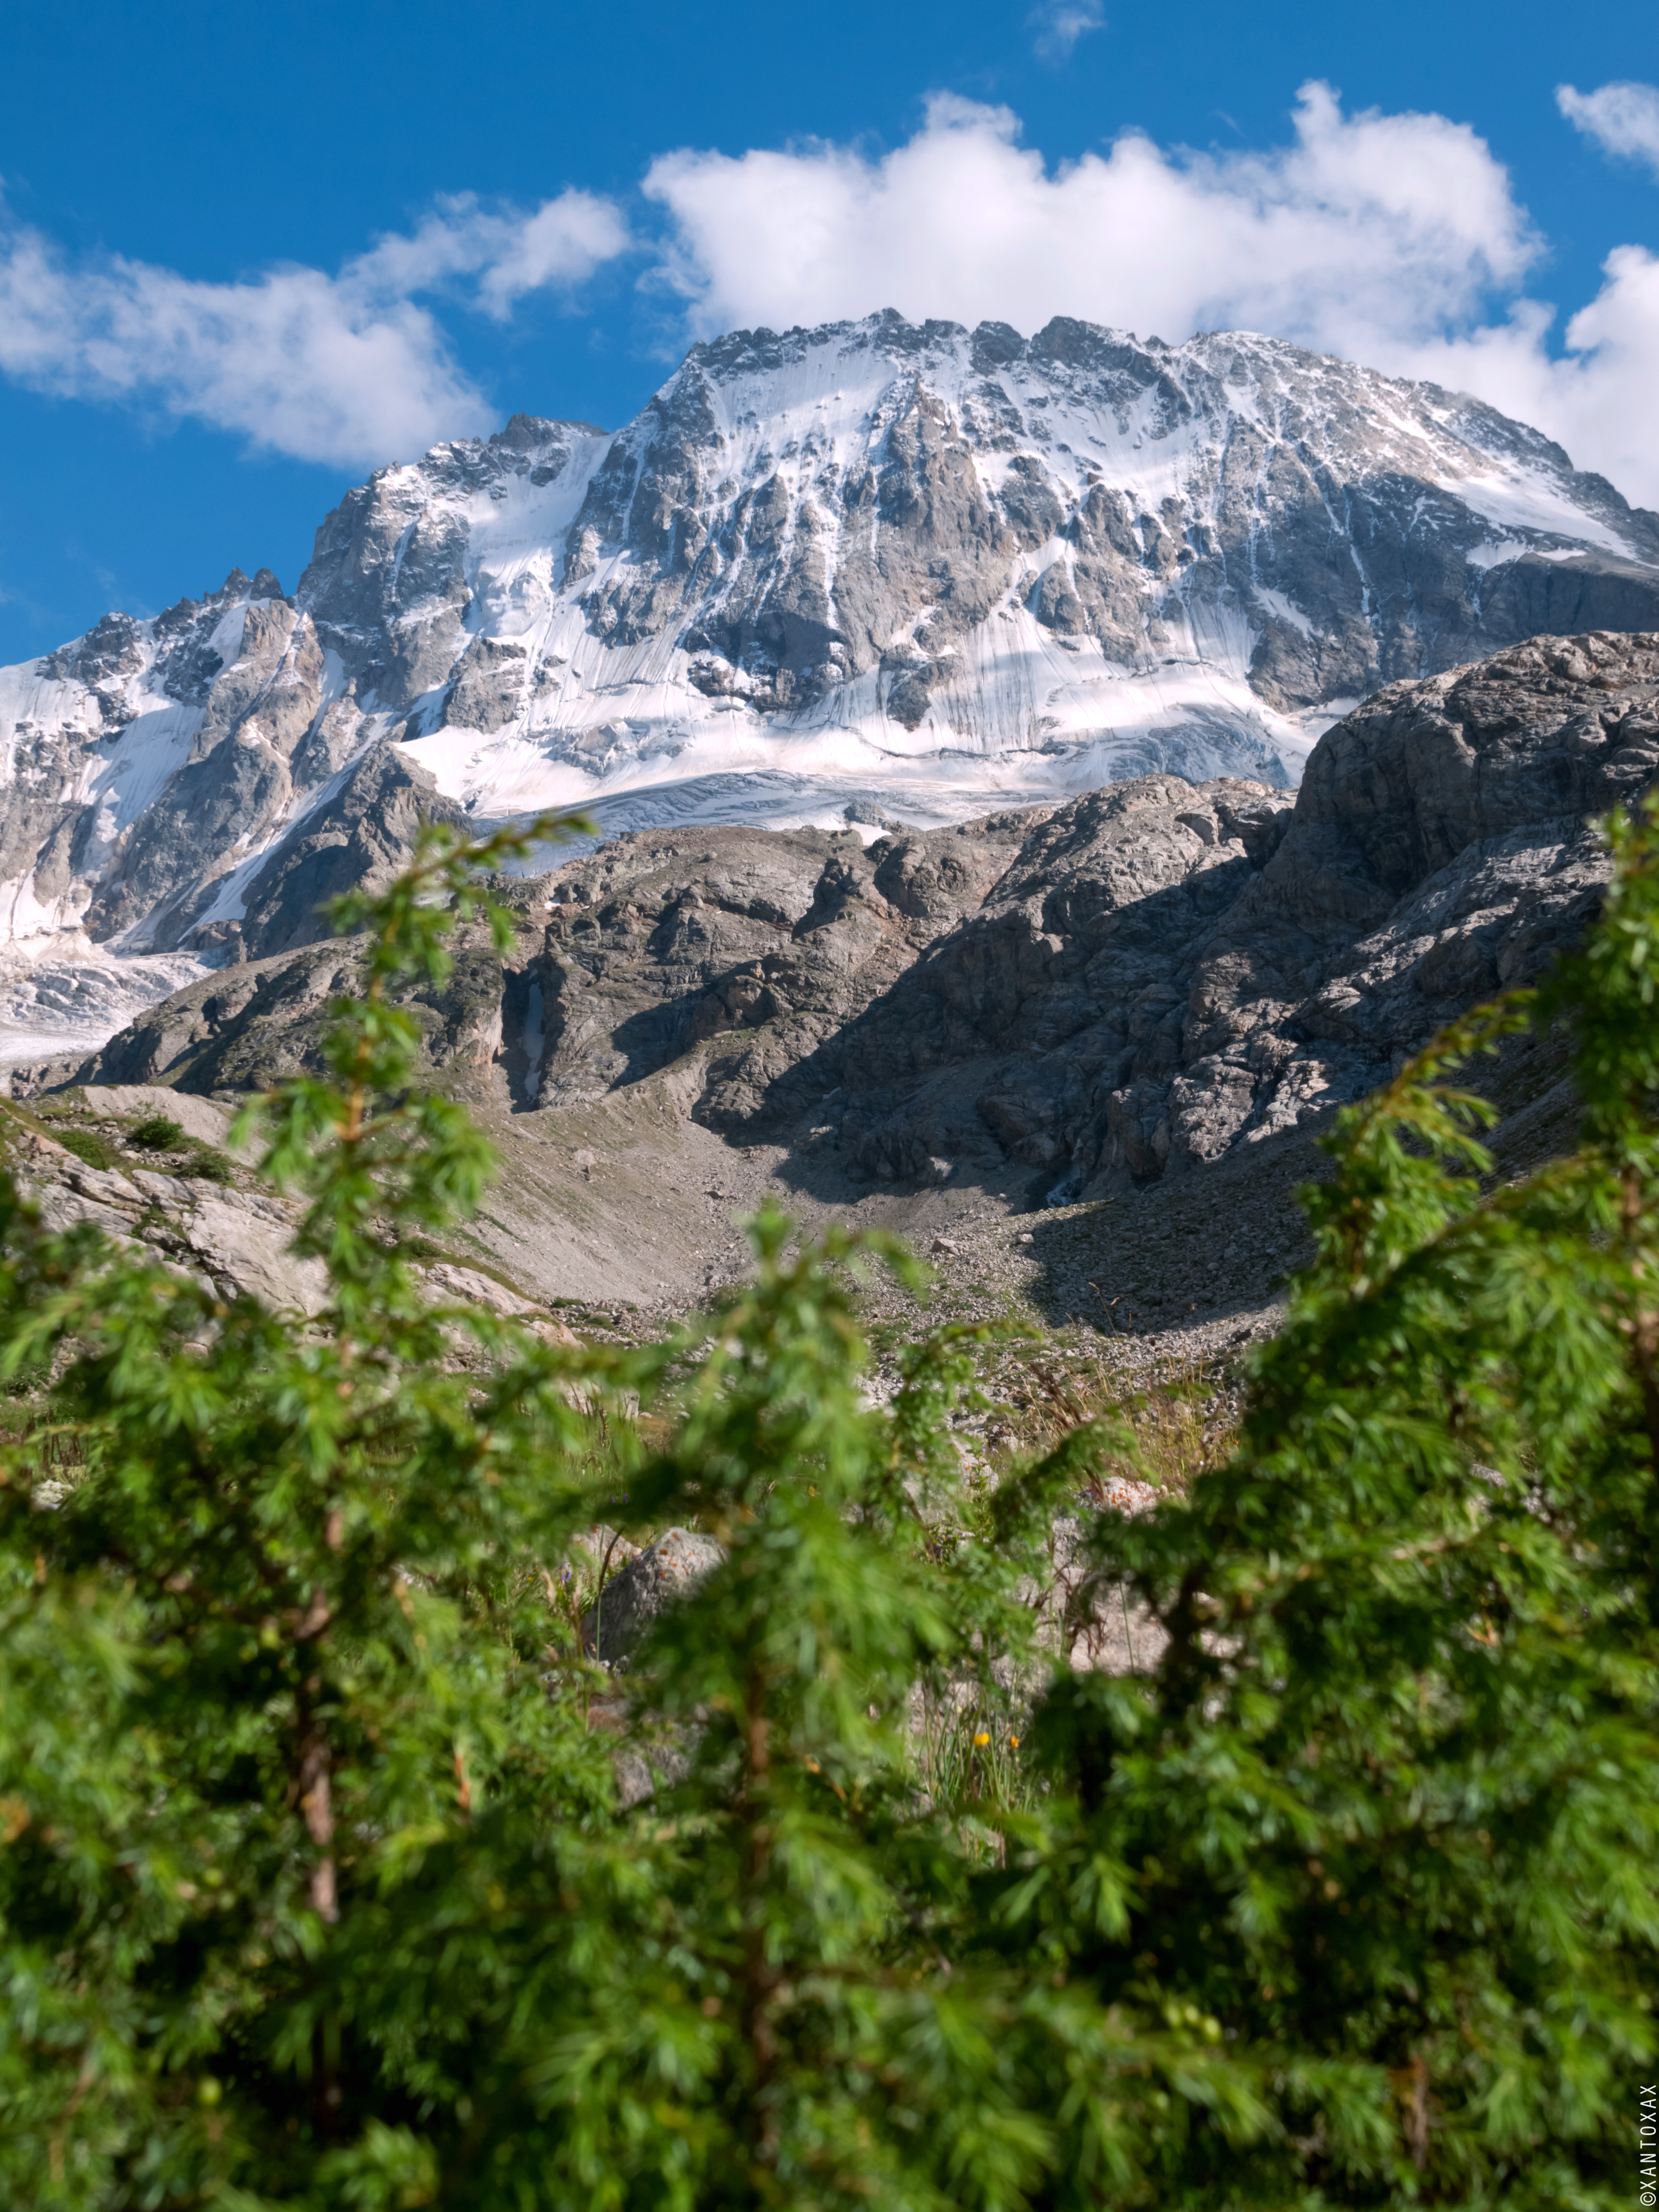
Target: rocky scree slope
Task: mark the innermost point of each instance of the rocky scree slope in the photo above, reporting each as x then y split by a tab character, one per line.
152	1168
873	565
1148	996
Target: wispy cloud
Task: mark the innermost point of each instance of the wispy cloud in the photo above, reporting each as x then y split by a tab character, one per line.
345	368
1623	118
11	595
1059	24
507	252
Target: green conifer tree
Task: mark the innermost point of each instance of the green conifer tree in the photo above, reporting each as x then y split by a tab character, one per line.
269	1648
1384	1819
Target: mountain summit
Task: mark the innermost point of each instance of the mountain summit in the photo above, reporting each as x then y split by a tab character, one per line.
873	569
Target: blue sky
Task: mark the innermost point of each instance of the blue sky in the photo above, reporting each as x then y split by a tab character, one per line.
246	254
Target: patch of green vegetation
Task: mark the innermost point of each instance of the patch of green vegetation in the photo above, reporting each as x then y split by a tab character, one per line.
157	1132
967	1758
208	1164
88	1147
1344	1893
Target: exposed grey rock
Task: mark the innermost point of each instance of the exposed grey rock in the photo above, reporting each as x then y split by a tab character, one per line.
1093	1619
388	578
359	833
238	1244
653	1581
230	1231
489	687
257	1023
235	784
738	953
201	1118
1167	972
794	581
236	1238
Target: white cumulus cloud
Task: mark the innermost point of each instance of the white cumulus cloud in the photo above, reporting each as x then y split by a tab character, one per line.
1396	239
346	369
1596	399
1393	240
1622	119
1365	225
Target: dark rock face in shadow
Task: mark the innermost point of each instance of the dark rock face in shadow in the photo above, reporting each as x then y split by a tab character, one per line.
1168	972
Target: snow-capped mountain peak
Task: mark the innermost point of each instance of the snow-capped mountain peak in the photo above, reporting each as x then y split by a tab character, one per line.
874	567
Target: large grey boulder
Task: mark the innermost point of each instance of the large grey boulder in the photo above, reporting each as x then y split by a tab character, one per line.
653	1581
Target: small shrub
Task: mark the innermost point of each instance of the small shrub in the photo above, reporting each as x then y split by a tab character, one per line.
88	1147
157	1132
208	1164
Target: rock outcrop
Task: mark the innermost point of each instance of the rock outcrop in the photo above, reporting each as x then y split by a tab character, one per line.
651	1582
189	1206
1166	973
104	1156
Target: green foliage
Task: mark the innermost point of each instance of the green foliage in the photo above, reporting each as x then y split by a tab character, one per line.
779	2026
333	1871
1389	1810
307	1647
157	1132
208	1164
88	1147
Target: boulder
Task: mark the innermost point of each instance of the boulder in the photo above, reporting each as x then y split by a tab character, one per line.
653	1581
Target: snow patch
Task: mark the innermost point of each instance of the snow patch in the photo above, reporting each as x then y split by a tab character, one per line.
1286	609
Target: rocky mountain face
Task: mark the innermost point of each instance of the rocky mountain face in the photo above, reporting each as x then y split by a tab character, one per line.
1167	974
1156	985
872	567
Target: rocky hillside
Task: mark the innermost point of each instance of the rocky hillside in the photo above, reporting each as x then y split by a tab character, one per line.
1167	974
161	1173
873	566
1123	1015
